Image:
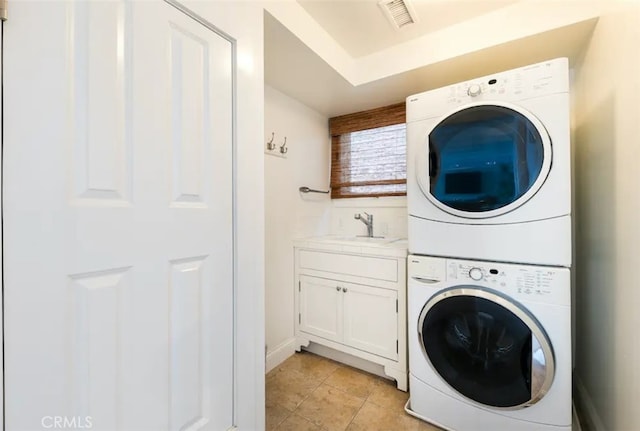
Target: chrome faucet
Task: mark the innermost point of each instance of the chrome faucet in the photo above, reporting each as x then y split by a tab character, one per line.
368	222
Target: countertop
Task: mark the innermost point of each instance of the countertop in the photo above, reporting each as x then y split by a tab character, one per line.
392	247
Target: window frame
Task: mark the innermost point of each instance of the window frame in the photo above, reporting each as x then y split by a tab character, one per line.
356	122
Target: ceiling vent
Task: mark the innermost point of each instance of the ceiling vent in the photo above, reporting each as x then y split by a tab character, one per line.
400	13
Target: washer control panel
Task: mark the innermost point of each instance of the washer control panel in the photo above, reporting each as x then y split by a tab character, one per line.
527	282
542	284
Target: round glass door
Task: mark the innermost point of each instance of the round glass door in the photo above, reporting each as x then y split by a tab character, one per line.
486	347
485	160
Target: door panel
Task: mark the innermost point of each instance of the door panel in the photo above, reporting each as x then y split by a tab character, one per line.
371	319
189	110
97	337
100	101
321	307
191	343
118	214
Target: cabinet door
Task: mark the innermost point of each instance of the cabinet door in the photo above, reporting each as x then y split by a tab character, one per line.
321	307
371	319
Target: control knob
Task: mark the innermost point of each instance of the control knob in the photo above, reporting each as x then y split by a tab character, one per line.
474	90
475	274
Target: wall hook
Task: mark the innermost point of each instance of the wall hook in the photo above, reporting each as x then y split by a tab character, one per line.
283	147
270	145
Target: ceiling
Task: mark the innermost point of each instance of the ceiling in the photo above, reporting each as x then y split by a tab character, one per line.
340	57
362	28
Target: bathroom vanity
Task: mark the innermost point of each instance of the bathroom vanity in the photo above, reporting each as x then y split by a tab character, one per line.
350	296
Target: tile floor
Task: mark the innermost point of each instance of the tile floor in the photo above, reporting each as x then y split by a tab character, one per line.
308	392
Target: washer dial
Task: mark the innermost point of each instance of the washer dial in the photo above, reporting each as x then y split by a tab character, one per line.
476	274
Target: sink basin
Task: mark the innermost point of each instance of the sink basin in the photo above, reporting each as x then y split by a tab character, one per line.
367	240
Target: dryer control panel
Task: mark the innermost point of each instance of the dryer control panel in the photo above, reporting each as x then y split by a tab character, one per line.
524	282
536	80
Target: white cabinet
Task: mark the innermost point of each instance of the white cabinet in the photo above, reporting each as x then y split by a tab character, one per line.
370	319
354	303
360	316
321	307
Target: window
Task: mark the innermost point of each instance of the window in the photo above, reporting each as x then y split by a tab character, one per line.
368	153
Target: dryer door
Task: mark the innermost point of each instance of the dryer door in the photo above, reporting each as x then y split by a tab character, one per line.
486	347
484	160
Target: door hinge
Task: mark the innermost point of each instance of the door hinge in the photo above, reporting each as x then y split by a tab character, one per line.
396	305
397	349
299	287
3	10
299	318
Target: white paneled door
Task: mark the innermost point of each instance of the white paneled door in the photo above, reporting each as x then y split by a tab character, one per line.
118	218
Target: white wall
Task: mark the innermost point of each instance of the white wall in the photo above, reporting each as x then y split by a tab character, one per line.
290	214
389	216
607	153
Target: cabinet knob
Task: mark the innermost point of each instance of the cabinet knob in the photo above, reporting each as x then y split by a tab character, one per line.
338	288
344	289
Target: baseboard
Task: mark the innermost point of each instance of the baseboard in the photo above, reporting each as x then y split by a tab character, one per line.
280	354
587	413
346	358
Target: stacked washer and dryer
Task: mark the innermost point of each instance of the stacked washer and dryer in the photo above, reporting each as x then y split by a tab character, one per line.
489	293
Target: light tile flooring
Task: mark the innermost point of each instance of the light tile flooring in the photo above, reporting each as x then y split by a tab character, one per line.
308	393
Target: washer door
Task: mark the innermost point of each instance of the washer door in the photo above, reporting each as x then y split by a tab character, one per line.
486	347
484	160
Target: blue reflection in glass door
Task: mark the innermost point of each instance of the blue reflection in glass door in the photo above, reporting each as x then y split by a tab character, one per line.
483	158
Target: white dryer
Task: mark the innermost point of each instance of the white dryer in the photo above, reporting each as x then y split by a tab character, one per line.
489	345
488	167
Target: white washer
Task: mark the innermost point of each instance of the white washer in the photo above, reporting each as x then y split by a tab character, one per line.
488	167
489	345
